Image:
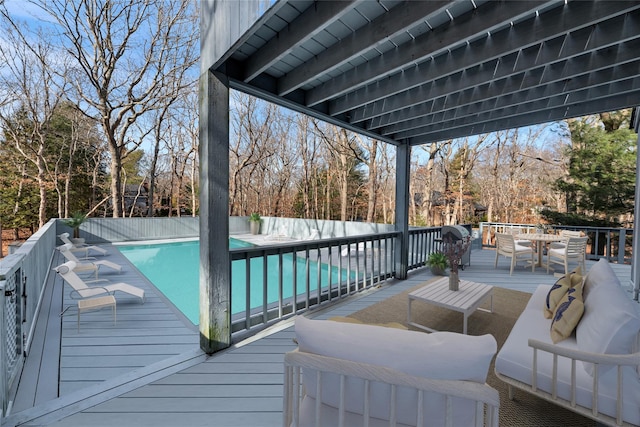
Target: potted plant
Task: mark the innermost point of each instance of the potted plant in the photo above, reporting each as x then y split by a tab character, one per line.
254	223
437	262
76	220
454	250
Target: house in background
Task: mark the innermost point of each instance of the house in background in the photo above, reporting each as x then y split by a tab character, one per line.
136	199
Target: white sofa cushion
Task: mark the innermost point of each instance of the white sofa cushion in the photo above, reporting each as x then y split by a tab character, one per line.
600	273
439	355
610	324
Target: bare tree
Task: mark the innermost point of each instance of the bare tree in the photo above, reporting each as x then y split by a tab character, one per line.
253	128
126	54
514	175
187	126
276	172
345	151
308	145
387	182
424	179
373	181
32	86
176	104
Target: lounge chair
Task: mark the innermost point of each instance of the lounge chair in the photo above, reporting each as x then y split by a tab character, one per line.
82	266
315	234
351	250
81	247
282	234
80	287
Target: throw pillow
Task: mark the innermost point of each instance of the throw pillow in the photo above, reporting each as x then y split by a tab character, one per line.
560	289
567	315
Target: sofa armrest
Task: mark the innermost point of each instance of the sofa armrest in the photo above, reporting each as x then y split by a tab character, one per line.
632	359
618	360
486	398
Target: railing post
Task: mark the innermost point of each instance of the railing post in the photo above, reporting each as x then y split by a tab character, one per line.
3	353
622	245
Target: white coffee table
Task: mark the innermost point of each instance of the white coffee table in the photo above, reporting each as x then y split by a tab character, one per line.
466	300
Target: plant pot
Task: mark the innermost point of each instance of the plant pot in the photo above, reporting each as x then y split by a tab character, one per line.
77	240
454	281
437	271
255	227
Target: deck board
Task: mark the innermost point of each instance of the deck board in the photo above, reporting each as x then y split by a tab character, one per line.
241	386
39	380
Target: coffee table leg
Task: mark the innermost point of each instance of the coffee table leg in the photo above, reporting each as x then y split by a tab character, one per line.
464	324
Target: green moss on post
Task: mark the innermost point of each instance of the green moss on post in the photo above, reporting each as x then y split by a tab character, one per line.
216	340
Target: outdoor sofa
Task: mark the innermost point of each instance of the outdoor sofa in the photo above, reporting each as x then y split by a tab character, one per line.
595	370
345	374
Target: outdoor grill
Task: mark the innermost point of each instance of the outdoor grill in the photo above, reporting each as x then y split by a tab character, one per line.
455	233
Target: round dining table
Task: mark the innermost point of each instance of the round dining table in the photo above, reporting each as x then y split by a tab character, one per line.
539	239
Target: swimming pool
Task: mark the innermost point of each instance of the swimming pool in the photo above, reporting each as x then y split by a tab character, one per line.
174	269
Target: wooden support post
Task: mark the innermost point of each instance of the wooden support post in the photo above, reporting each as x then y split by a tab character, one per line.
635	261
403	198
215	266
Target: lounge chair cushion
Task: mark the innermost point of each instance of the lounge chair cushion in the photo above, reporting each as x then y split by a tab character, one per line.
439	355
610	324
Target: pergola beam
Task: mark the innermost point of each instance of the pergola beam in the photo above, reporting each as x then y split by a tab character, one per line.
364	39
612	103
485	18
561	102
516	38
312	21
569	61
565	90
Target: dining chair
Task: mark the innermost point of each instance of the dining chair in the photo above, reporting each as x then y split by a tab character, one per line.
566	234
507	246
574	251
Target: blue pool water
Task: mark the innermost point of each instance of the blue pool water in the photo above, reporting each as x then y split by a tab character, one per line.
173	268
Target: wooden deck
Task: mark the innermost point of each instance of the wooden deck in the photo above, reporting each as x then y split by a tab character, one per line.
62	360
148	370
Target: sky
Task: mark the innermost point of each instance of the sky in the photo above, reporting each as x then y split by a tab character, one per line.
25	10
